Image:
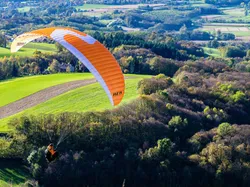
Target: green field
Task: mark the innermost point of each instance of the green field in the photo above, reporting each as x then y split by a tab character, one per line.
24	9
241	30
231	20
233	15
91	97
201	5
91	6
212	52
87	98
241	33
29	49
12	174
106	22
18	88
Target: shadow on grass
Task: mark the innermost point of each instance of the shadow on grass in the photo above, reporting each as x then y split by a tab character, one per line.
12	171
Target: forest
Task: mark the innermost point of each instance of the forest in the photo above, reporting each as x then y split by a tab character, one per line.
189	129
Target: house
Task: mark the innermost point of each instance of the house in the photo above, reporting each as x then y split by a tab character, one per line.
66	68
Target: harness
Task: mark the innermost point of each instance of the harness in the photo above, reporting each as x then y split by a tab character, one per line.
52	151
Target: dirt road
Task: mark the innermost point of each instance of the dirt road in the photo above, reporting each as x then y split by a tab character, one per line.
41	96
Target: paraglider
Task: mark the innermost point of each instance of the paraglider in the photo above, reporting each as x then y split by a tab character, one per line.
50	153
89	51
99	61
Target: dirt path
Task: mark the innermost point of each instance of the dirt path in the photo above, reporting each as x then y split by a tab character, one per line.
41	96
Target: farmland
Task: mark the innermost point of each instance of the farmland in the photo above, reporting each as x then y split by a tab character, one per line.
237	29
228	15
231	20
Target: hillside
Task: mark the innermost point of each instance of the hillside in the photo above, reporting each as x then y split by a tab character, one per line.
86	98
28	85
41	96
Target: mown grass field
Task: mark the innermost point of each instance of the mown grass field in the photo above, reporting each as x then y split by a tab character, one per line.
87	98
29	49
15	89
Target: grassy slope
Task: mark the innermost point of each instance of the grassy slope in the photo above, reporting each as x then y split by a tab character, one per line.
87	98
91	97
18	88
28	50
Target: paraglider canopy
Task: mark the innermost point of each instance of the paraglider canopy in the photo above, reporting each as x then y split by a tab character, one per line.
89	51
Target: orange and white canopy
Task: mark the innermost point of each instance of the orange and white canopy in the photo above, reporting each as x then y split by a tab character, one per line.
89	51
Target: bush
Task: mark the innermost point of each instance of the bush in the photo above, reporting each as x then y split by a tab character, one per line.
177	123
162	65
224	129
152	85
232	52
227	36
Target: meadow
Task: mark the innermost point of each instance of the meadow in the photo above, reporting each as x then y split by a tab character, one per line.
212	52
15	89
29	49
87	98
